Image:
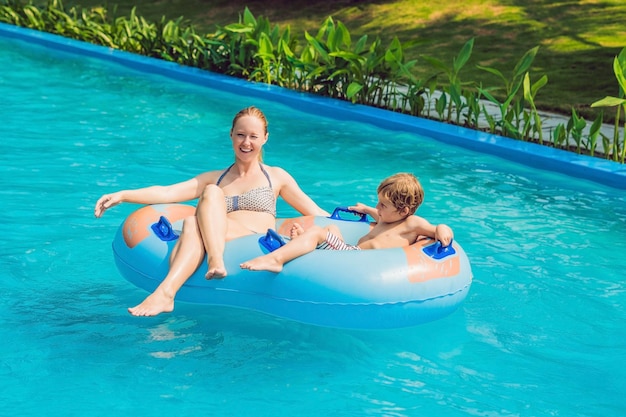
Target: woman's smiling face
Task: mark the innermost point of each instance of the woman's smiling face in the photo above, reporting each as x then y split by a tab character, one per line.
248	136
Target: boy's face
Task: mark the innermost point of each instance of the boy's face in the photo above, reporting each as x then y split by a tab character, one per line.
387	213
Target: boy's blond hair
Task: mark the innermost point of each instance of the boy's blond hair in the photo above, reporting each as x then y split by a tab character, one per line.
403	190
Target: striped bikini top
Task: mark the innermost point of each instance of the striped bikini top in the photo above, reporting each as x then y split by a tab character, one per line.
259	199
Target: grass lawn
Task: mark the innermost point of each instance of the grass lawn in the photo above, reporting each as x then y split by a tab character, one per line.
578	38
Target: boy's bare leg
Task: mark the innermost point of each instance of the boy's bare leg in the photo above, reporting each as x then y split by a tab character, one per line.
296	230
274	261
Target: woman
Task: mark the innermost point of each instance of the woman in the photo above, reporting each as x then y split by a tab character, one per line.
235	202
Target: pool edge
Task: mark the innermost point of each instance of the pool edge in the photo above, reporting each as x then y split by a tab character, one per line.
594	169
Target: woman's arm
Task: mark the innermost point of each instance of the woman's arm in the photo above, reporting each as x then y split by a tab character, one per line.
291	192
156	194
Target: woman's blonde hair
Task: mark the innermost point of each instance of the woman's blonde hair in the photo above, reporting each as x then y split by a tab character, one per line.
402	190
254	112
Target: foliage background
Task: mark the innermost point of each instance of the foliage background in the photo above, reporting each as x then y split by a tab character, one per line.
578	39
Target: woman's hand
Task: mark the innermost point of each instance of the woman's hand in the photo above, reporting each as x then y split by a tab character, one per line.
106	202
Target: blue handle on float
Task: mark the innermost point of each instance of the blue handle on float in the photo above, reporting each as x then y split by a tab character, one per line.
163	229
271	240
438	251
336	216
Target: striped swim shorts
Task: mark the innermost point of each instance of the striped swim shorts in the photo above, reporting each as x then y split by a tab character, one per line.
333	242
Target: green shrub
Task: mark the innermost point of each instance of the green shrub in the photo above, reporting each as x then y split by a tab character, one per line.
332	64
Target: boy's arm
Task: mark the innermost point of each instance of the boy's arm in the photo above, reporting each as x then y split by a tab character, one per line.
362	208
444	234
441	232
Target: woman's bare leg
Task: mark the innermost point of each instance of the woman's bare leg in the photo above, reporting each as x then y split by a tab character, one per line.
274	261
185	259
213	225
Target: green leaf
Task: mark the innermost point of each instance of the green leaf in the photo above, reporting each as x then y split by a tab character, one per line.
539	84
558	134
512	94
493	71
265	45
524	64
578	123
353	89
455	94
343	35
527	90
488	96
284	49
463	56
347	55
595	127
609	101
395	48
319	47
360	44
531	91
238	28
248	17
620	73
440	104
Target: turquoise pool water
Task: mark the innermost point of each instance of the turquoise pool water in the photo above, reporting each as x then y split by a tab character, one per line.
541	334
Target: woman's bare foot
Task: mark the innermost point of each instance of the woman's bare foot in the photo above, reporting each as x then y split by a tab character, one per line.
263	263
216	272
296	230
156	303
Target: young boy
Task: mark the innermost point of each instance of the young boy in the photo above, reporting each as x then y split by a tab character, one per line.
399	196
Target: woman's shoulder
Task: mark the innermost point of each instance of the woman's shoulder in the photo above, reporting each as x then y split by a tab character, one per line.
277	172
210	177
271	167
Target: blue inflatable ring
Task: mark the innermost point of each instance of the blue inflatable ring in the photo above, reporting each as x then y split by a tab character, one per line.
369	289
